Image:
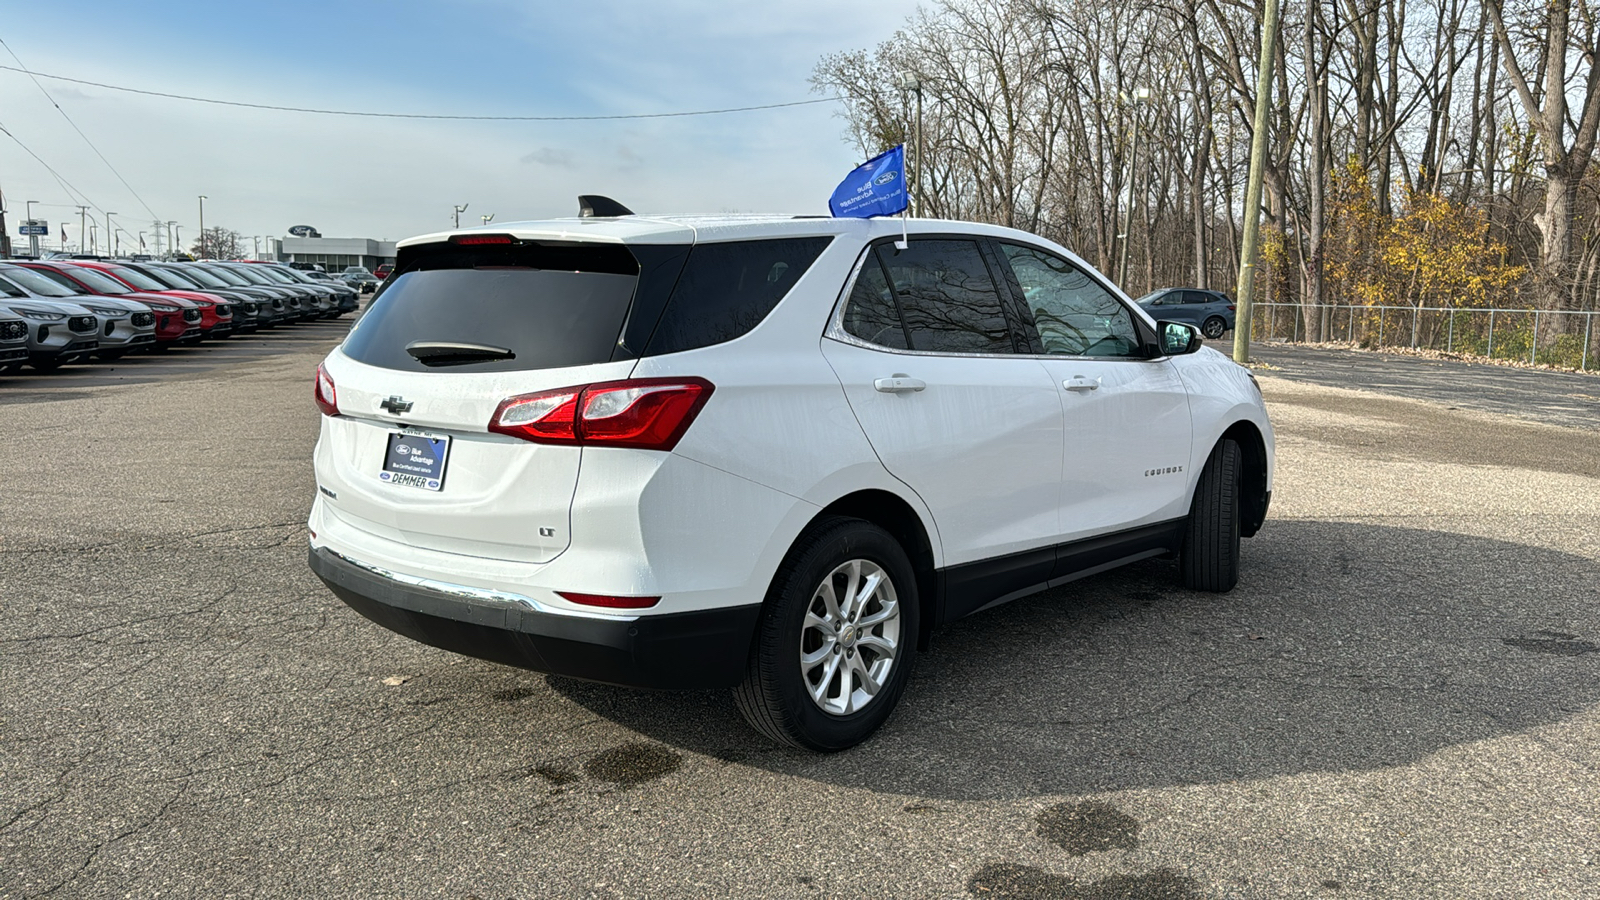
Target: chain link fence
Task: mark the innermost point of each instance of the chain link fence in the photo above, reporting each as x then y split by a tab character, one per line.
1566	339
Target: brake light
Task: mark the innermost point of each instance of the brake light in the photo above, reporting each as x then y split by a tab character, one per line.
327	400
470	239
646	413
1231	308
610	602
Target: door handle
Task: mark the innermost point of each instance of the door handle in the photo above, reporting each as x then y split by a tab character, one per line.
898	383
1080	384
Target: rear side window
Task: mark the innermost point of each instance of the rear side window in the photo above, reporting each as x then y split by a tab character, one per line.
946	297
726	289
545	306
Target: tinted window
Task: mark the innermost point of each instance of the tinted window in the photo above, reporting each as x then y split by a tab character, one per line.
550	306
1194	297
726	289
870	313
1074	314
946	297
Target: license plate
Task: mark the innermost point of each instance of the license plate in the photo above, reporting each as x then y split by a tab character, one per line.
416	459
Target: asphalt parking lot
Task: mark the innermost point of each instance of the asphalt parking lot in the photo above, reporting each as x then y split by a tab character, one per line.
1401	698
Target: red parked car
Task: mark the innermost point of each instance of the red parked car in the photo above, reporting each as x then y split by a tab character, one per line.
177	319
216	315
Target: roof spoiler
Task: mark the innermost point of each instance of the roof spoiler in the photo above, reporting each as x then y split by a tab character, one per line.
594	206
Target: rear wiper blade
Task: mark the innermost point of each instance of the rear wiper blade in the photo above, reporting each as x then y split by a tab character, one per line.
450	353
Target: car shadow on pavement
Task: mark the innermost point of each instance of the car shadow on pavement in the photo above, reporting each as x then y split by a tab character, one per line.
1346	646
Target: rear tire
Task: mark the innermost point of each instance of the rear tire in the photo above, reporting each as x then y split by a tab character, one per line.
1214	327
1210	557
840	617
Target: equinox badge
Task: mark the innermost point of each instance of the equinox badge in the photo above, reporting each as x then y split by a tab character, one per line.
397	405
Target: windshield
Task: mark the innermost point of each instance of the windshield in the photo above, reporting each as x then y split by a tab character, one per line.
273	273
174	277
38	284
205	278
297	275
227	276
250	275
99	281
11	290
139	279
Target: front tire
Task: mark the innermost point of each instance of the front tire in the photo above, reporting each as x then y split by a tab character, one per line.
1214	327
1210	557
836	640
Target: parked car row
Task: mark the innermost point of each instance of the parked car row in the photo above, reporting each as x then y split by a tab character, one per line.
53	312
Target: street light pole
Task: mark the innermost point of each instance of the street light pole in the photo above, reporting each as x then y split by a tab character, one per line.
33	239
459	210
910	82
108	227
487	219
1140	95
172	246
83	229
202	226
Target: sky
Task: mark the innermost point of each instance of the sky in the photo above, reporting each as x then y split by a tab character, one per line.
264	171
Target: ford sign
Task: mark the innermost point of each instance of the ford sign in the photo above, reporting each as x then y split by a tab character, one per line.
305	231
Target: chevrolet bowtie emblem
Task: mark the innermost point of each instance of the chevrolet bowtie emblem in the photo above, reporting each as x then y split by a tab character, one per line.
397	405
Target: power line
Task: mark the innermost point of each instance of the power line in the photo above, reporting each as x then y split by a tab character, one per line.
77	129
390	115
72	192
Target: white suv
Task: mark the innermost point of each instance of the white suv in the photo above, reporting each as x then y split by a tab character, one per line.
765	453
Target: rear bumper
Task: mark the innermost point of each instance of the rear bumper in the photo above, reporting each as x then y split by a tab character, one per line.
676	651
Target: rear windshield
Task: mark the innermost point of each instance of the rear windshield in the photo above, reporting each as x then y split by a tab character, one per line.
547	306
554	305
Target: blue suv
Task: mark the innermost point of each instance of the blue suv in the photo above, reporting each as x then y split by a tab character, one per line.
1209	311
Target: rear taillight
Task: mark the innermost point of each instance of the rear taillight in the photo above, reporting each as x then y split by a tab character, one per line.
1232	308
647	413
610	602
327	400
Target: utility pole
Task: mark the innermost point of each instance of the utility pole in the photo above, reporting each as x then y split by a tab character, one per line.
1140	95
108	229
459	210
83	229
202	226
172	245
1252	193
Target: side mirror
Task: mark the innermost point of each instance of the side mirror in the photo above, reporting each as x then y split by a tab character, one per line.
1176	338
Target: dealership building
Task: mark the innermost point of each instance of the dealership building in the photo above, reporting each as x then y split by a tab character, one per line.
336	254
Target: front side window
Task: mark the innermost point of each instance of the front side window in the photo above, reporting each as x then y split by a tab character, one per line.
1074	314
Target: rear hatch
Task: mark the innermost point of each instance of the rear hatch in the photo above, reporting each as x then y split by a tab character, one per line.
458	330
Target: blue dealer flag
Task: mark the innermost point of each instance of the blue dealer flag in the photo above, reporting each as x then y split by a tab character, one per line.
877	187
